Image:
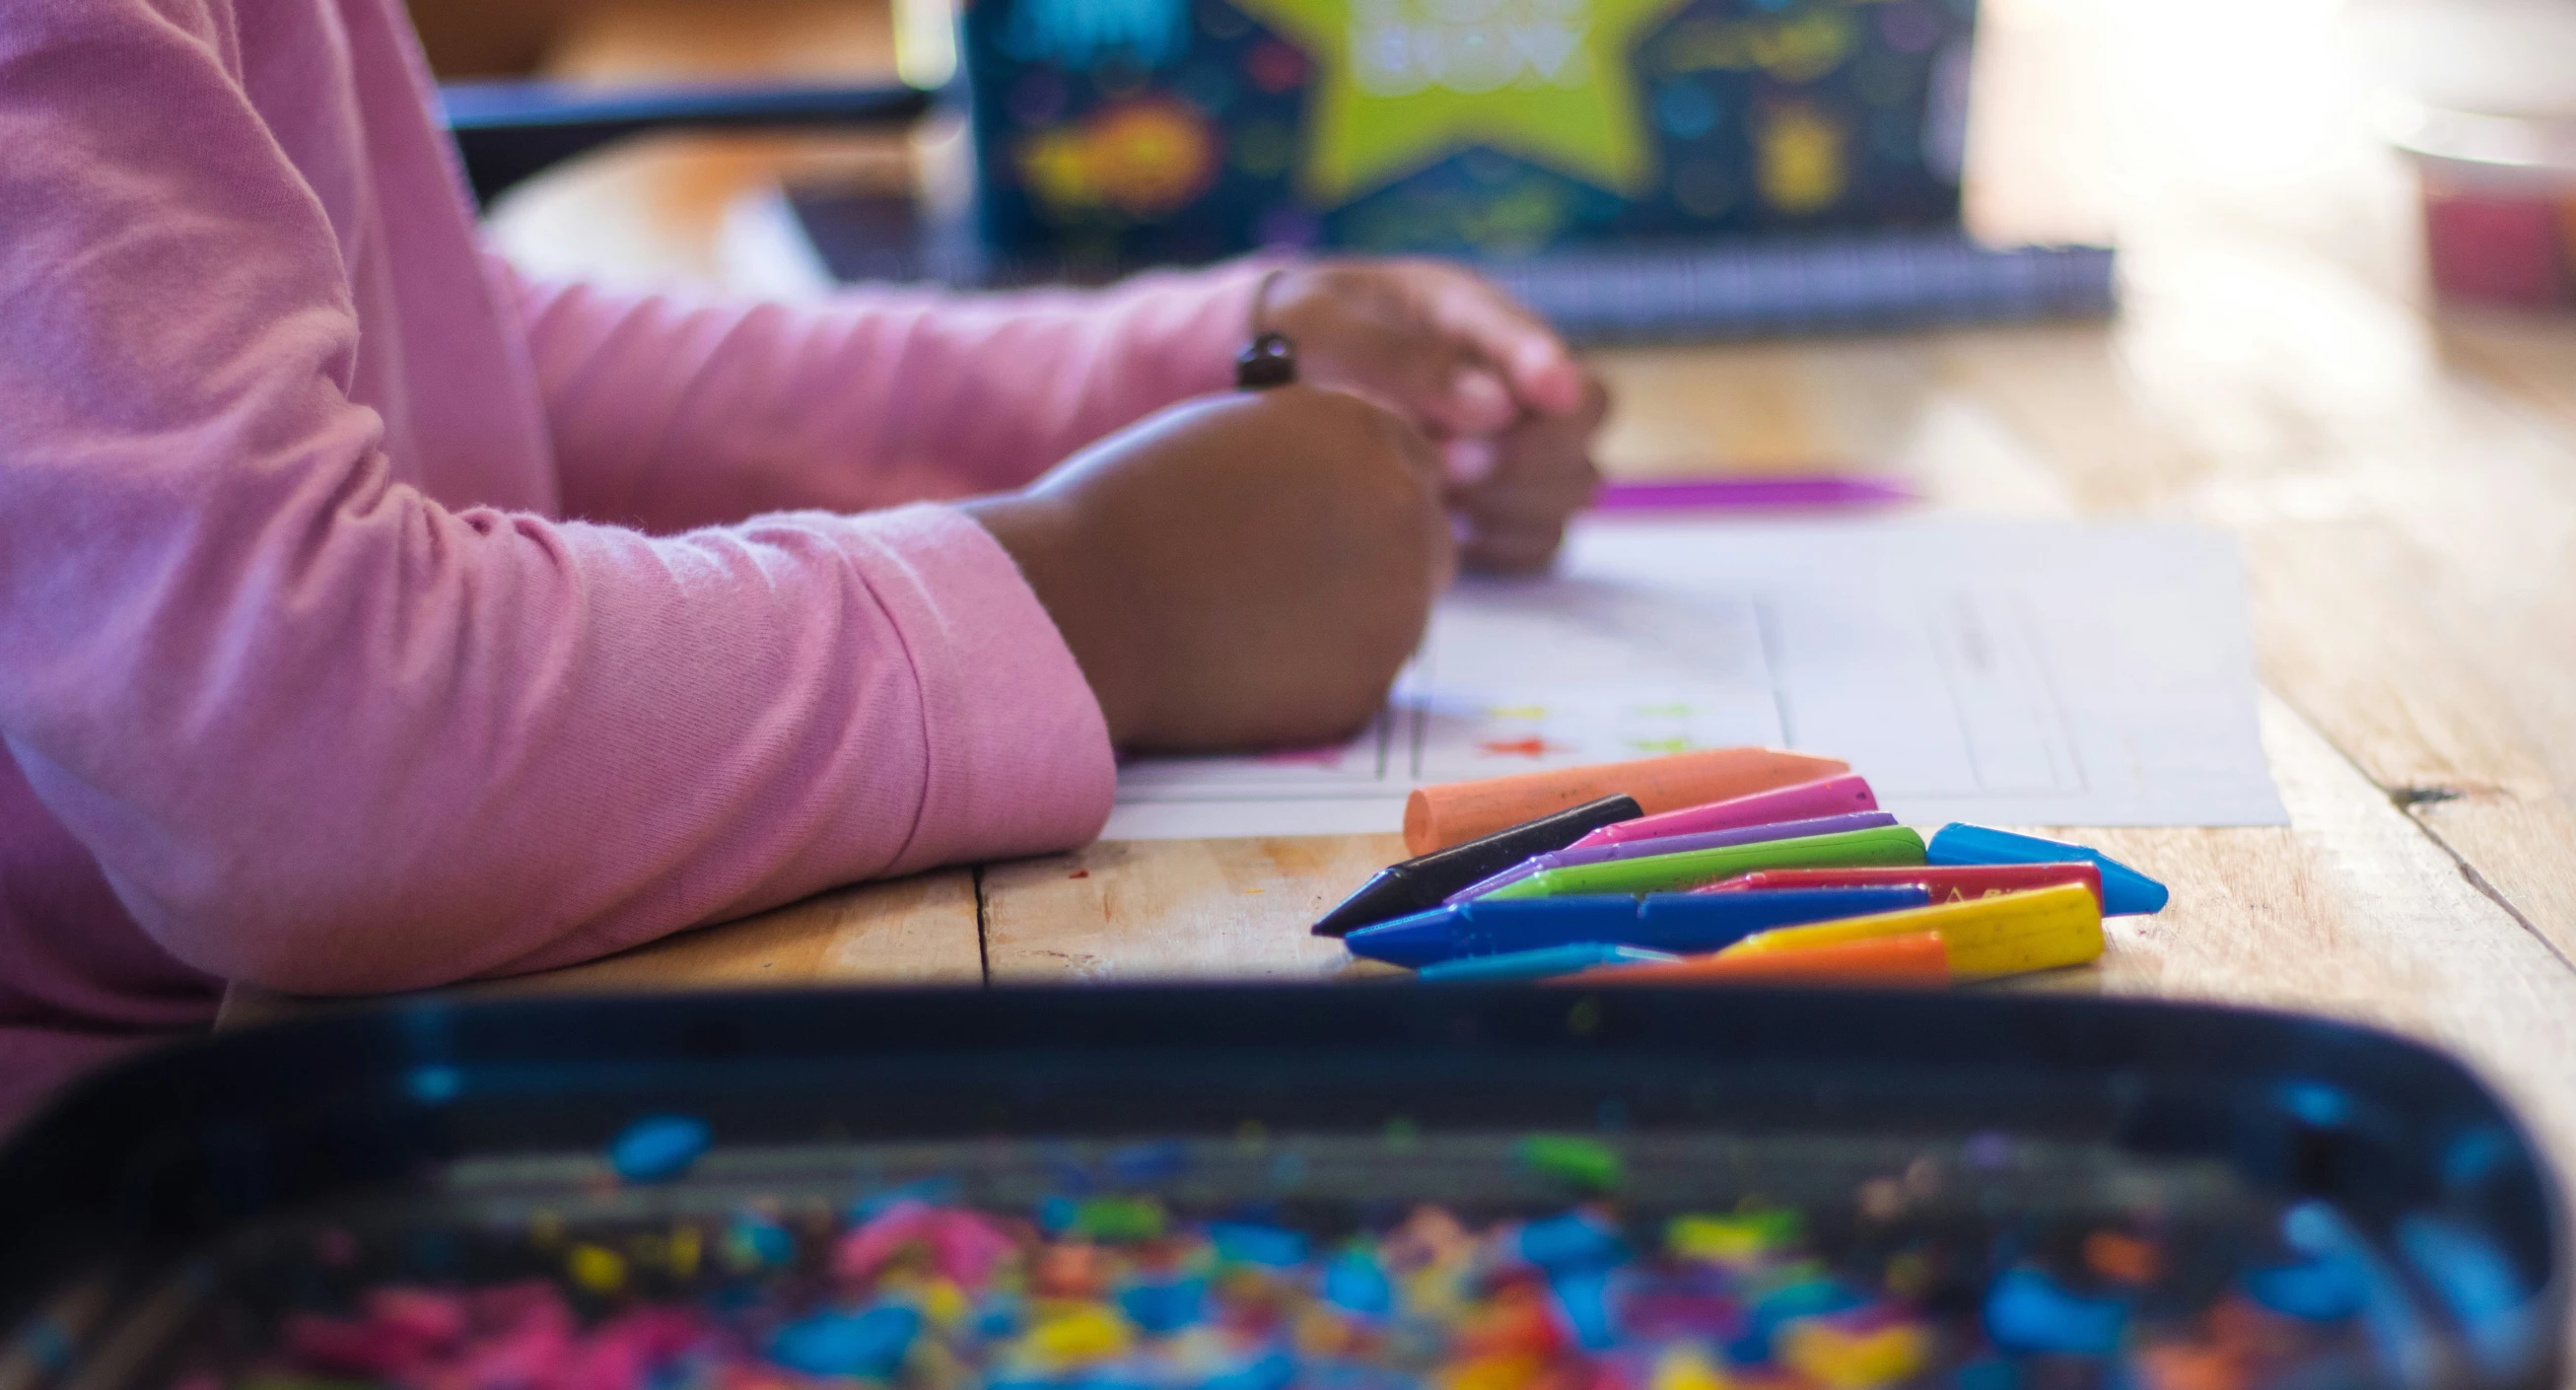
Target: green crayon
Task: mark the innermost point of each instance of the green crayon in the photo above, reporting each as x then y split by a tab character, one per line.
1886	846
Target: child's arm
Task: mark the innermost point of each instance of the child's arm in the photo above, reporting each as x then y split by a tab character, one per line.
325	734
672	410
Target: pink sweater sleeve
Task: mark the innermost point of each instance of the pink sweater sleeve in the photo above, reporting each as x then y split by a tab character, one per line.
325	734
670	412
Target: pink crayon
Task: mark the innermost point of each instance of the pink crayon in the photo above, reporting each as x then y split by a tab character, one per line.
1830	796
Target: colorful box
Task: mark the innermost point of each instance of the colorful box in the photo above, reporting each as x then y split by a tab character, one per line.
1121	132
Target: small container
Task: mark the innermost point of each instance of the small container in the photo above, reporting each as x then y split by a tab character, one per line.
2482	97
2499	204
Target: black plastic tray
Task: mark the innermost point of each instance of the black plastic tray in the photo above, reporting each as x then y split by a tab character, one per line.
143	1165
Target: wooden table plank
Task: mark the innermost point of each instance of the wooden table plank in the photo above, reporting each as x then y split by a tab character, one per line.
917	930
2401	472
2532	354
1177	909
2399	512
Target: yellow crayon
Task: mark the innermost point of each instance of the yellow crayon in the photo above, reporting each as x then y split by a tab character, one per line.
2006	935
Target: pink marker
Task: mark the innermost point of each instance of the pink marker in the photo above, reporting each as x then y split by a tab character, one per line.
1831	796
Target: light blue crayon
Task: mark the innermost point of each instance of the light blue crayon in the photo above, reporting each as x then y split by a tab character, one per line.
1541	963
2124	890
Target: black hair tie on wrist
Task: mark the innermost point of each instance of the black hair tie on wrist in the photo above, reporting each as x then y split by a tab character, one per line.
1270	360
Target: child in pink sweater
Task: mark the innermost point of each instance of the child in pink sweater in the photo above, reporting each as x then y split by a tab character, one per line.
371	617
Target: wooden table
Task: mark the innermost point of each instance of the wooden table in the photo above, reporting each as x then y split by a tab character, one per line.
2403	482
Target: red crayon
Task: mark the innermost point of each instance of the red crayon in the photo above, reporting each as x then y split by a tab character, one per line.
1947	883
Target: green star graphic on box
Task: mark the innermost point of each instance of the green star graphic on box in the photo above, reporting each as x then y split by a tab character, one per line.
1116	133
1405	82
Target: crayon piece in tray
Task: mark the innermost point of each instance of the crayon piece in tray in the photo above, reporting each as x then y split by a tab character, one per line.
1542	963
1947	884
1725	1258
1826	796
1675	844
1674	873
1780	492
2124	890
1419	884
1437	817
2008	935
1918	958
1675	922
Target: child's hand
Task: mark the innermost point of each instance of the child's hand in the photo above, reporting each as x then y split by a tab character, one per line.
1512	411
1241	572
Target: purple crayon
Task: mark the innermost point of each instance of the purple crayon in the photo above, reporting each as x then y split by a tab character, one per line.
1676	844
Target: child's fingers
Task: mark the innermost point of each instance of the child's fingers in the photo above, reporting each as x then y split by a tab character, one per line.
1468	462
1522	550
1437	381
1515	528
1534	363
1514	516
1520	508
1543	465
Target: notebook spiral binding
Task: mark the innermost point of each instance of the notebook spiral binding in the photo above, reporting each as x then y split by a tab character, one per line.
1738	288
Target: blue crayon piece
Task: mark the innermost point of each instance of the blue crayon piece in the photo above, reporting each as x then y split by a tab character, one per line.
1353	1281
2124	890
1542	963
1675	844
2026	1311
658	1147
1682	923
834	1343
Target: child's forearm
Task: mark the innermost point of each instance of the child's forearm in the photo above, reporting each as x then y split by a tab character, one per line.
670	412
438	745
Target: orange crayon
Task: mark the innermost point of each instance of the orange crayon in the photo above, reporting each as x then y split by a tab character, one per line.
1456	812
1919	959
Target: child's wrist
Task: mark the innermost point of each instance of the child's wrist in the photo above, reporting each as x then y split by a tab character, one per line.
1042	536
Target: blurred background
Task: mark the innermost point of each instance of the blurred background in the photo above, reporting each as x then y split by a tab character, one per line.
2275	175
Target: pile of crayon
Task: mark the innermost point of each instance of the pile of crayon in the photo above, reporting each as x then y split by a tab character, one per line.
1732	864
1120	1291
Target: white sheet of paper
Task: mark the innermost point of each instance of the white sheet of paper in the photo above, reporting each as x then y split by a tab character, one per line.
2005	672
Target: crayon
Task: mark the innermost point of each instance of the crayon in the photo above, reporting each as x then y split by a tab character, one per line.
1949	884
1674	873
1416	885
1542	963
1916	959
2038	930
1455	812
1826	796
2124	890
1675	844
1663	921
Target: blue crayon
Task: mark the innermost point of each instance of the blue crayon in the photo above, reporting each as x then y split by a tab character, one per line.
2124	890
2027	1312
1542	963
658	1147
1674	844
1682	923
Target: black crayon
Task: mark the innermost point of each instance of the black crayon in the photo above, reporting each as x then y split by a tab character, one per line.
1418	885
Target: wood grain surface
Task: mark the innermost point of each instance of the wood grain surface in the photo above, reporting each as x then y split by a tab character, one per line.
918	930
1177	909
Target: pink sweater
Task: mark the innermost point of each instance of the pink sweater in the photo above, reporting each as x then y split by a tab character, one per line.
371	618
